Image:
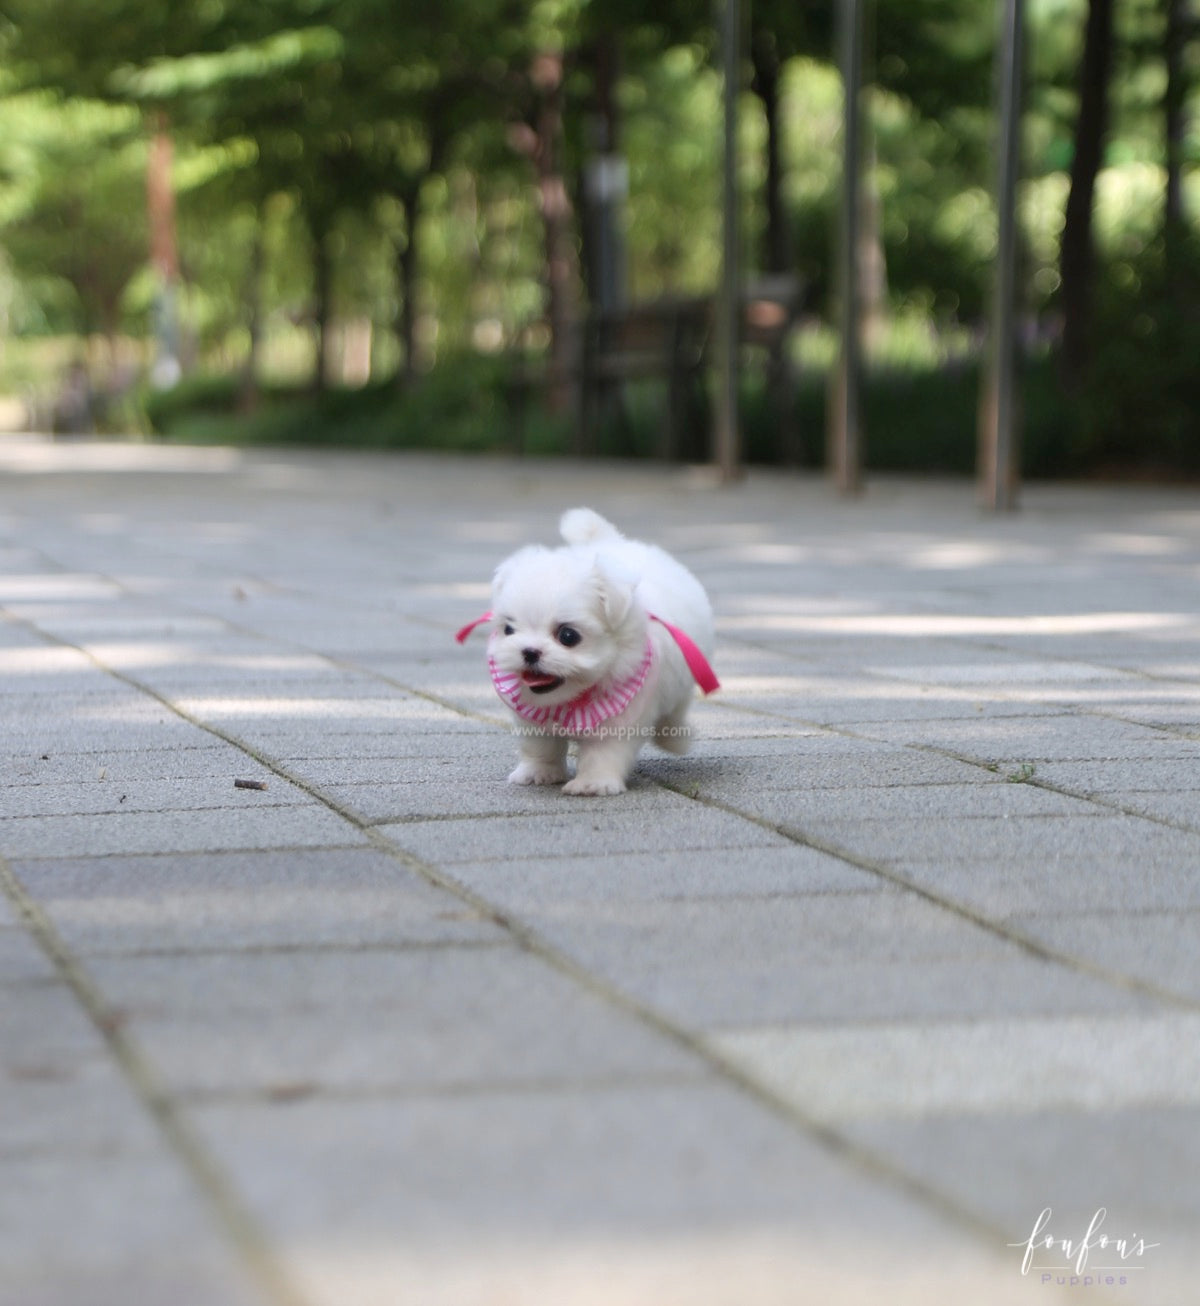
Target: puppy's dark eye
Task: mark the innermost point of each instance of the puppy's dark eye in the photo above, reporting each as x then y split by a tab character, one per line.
568	636
508	630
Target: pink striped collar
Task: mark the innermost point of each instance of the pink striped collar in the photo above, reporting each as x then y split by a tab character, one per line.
585	712
697	663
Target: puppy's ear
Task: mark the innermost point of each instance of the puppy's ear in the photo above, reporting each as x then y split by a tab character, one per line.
616	598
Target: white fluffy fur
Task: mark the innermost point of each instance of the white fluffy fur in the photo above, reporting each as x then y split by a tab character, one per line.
603	586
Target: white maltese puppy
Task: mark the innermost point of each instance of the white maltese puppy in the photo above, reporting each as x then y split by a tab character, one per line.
603	642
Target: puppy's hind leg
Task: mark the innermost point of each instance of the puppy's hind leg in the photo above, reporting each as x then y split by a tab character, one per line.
543	759
672	733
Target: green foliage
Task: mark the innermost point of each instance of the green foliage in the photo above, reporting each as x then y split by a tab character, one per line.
673	113
467	405
921	418
372	140
72	208
1140	407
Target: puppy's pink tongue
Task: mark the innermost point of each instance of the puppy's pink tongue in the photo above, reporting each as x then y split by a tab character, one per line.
536	680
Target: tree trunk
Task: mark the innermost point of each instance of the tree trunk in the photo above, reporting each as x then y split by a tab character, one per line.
1077	256
560	256
248	395
406	276
604	184
1174	112
322	311
872	257
777	258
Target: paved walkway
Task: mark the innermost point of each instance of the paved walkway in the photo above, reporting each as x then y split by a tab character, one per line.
905	952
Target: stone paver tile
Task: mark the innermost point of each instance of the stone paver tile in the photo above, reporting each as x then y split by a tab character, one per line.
215	830
704	983
1124	777
911	712
97	796
80	1152
1182	720
44	1034
368	712
1080	1062
38	734
319	898
206	758
1162	947
627	1197
1050	738
21	960
53	674
816	810
783	871
719	721
415	736
102	699
814	746
1100	842
1011	674
1179	807
387	1021
1003	886
480	760
617	825
1139	1163
66	1236
256	673
486	796
716	961
806	763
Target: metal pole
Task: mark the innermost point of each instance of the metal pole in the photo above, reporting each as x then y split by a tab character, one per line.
845	444
998	435
727	435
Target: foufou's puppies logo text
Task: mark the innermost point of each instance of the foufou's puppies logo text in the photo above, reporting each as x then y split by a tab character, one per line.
1045	1252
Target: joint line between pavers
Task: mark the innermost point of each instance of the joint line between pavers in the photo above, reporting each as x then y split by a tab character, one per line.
414	945
1055	787
841	1145
232	1217
1030	944
436	1090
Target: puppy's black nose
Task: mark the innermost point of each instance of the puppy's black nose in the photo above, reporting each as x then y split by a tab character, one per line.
531	656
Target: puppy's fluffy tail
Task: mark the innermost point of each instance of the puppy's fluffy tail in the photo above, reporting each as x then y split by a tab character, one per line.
583	526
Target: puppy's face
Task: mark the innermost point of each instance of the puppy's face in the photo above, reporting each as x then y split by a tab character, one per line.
562	626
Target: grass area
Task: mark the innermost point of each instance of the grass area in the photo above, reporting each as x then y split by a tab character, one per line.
470	407
916	419
920	409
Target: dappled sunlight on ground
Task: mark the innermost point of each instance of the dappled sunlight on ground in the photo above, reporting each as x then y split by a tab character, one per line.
940	625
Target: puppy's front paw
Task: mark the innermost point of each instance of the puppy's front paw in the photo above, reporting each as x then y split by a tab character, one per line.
595	785
538	773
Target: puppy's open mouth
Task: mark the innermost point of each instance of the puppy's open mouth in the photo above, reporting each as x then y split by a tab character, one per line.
537	682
